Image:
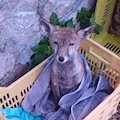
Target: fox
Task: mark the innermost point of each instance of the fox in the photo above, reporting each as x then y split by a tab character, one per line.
67	69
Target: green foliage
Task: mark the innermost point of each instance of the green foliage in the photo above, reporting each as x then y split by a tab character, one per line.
41	52
98	29
55	21
87	18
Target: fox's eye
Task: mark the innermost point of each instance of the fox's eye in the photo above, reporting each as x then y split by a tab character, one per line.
55	42
71	44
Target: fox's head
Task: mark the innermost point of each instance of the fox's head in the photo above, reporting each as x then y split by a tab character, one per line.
66	41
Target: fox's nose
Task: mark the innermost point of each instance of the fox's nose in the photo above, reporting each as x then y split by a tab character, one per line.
61	59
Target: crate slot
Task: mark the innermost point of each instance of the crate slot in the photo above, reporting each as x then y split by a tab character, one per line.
4	97
3	106
16	97
10	102
27	89
15	106
24	91
116	49
106	44
8	96
1	101
30	86
118	52
112	47
18	103
21	93
7	104
109	45
13	99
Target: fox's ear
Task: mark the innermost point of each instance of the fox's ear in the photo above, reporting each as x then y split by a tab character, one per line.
86	32
46	26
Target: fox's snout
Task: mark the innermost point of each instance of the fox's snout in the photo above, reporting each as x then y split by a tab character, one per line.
62	59
62	54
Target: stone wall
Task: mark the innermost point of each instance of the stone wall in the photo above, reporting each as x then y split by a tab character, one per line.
20	30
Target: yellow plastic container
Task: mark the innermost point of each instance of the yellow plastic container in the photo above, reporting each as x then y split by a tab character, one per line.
103	15
13	95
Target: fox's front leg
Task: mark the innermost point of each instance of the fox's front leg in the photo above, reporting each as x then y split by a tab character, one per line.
55	87
56	94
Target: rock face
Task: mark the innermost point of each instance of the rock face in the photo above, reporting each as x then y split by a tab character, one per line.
65	9
20	30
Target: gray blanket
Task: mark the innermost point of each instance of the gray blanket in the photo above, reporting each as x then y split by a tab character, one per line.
73	106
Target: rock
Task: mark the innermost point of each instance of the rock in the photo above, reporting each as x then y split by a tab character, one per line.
19	31
65	9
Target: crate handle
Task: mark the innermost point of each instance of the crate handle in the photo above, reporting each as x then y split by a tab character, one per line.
99	57
96	45
112	59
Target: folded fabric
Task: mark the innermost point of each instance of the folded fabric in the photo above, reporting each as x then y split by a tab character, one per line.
18	114
73	106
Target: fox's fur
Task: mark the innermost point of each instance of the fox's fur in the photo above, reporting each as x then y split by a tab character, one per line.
67	69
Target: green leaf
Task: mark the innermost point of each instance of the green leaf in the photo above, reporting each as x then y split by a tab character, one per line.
92	20
83	14
98	29
83	17
85	11
54	19
85	23
41	52
69	23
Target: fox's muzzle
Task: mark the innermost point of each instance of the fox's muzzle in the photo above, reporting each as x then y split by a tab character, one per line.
62	59
62	54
